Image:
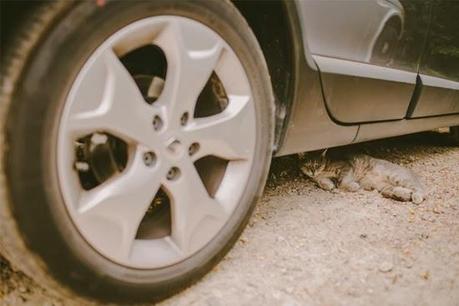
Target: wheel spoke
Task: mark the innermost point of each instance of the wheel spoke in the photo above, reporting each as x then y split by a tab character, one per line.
229	134
192	53
196	216
112	212
115	102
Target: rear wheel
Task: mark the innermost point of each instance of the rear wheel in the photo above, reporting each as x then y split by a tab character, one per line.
139	138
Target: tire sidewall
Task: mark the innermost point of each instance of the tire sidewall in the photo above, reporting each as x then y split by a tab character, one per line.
32	135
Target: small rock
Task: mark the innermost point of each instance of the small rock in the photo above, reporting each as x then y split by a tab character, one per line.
22	289
363	236
386	266
423	236
408	263
425	275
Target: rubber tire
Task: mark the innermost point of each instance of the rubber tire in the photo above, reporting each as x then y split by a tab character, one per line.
37	234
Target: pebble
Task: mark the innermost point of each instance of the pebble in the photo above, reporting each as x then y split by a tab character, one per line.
386	266
425	275
408	263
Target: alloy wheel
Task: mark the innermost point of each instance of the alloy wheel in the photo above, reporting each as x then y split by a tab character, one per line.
153	162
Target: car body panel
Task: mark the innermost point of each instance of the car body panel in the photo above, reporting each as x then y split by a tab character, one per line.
347	29
379	35
438	97
441	57
310	124
377	130
363	92
439	70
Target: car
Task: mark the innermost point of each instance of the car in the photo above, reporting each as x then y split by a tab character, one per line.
136	136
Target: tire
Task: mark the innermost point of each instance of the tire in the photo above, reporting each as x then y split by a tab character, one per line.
37	230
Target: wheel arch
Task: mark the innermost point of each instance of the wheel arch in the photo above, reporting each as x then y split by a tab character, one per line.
277	28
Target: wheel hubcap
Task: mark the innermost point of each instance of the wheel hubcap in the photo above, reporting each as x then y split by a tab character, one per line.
201	164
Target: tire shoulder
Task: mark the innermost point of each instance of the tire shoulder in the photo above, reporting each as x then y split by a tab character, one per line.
13	62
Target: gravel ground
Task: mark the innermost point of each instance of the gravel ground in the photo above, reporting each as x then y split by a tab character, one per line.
306	246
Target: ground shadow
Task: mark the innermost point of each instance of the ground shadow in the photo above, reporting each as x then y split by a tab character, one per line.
401	150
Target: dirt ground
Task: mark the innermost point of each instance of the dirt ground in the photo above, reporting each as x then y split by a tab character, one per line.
306	246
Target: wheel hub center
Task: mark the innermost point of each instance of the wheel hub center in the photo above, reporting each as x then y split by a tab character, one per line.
174	147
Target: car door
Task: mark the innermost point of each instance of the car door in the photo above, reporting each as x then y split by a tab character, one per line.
439	71
368	53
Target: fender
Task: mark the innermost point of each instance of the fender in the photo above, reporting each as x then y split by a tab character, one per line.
307	125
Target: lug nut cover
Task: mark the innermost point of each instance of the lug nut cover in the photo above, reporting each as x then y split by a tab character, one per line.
173	174
184	119
149	158
157	123
194	147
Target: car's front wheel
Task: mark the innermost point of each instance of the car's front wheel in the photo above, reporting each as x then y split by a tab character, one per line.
138	138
